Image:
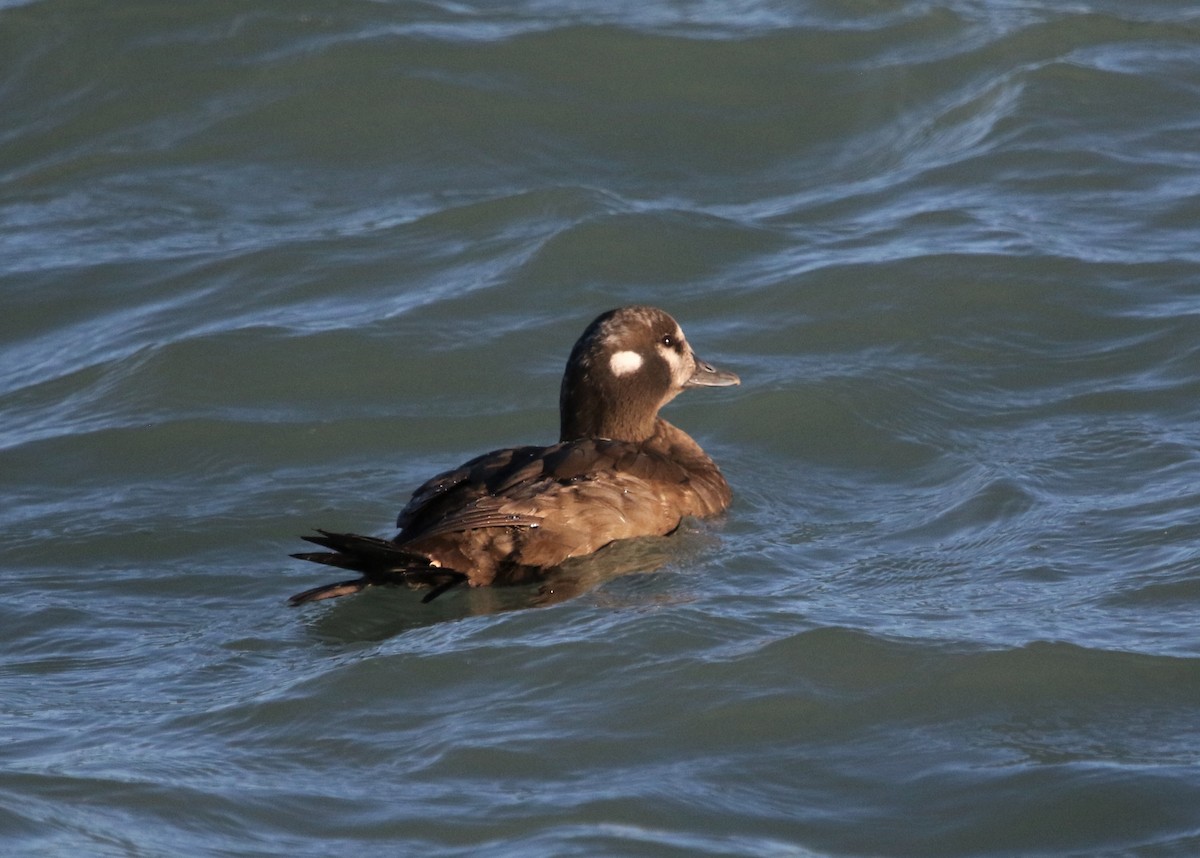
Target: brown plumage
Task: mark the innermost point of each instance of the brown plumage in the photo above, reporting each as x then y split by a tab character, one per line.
618	471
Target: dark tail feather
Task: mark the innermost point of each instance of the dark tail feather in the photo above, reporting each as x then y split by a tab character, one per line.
379	561
365	549
449	579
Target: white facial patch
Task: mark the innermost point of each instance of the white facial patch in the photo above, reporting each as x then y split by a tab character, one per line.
624	362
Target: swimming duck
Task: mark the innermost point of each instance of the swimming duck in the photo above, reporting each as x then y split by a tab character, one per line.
510	516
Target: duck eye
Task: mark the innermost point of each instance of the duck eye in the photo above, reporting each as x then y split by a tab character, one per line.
668	341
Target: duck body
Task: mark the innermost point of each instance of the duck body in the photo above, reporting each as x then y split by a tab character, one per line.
619	471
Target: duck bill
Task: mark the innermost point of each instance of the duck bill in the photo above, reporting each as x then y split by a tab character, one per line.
707	375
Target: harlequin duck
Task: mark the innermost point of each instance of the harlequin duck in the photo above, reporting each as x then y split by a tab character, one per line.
618	471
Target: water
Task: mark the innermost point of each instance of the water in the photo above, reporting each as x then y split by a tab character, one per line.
264	268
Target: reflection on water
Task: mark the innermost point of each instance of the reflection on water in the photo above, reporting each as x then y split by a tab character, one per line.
379	613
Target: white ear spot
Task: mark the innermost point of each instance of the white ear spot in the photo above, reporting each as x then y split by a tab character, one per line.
625	362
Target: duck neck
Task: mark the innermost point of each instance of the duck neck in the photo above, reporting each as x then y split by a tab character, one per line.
603	416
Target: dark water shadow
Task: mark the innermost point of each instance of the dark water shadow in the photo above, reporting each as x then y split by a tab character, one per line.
379	613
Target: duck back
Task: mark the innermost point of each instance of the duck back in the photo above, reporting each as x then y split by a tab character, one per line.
510	513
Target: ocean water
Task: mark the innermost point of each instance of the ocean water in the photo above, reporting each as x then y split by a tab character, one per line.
266	267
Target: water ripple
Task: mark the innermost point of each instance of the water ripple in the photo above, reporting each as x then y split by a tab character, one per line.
264	269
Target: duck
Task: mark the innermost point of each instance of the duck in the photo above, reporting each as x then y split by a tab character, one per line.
619	471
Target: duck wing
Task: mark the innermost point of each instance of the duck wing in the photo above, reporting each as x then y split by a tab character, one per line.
455	490
568	499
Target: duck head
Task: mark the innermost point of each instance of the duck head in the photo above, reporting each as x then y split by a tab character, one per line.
628	364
